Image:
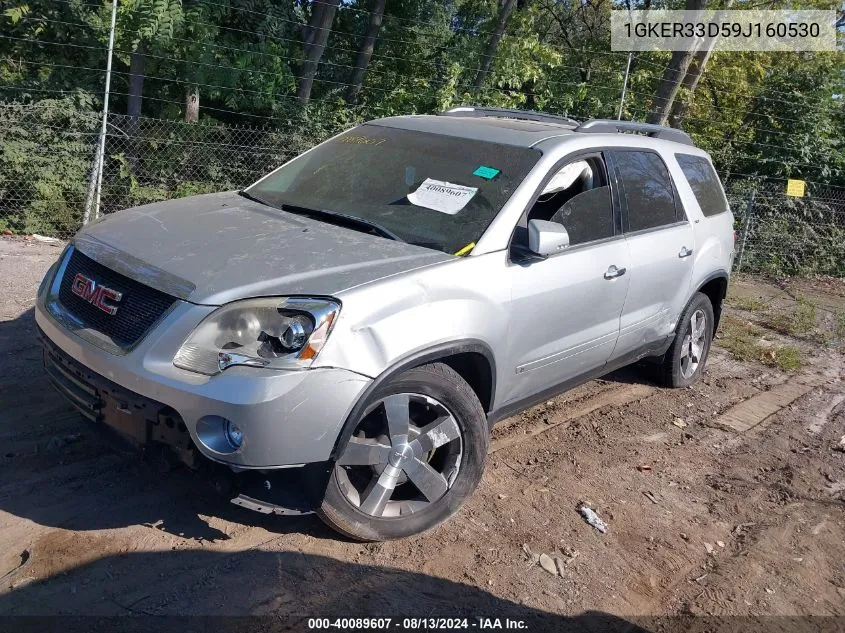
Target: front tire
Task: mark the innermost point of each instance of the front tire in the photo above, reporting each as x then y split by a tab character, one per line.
416	453
684	361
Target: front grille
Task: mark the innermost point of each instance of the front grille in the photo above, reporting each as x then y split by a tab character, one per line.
138	309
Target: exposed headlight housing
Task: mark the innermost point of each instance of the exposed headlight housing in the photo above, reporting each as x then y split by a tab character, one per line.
280	333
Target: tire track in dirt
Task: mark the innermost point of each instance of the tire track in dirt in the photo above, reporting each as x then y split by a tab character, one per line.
617	396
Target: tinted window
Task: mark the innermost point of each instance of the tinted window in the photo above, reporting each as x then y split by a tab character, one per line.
647	189
587	216
368	172
704	182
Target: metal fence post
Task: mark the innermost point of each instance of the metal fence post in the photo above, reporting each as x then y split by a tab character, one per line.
92	185
624	87
749	216
96	183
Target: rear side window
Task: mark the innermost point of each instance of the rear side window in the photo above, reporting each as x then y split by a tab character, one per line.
648	191
705	184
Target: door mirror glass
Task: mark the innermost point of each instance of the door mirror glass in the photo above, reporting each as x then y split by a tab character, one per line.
546	238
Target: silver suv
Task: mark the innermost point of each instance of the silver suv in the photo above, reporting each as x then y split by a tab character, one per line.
341	336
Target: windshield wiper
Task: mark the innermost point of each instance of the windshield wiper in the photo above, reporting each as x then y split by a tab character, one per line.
349	220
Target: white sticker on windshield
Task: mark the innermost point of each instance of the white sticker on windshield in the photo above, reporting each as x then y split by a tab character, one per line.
442	196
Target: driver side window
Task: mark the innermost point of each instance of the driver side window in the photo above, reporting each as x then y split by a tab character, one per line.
578	197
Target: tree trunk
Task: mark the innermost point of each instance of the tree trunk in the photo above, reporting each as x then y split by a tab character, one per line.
669	86
691	79
362	60
672	77
314	37
690	83
505	9
528	91
192	103
134	101
137	70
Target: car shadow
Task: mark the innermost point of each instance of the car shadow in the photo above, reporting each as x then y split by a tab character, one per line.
640	373
258	590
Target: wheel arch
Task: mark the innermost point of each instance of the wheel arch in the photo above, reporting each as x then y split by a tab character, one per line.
472	359
715	287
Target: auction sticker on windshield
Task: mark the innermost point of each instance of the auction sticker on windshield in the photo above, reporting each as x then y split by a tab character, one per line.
442	196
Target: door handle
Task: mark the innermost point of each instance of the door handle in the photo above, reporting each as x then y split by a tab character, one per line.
685	252
613	272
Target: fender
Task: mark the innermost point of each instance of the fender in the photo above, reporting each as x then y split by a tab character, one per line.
414	359
716	274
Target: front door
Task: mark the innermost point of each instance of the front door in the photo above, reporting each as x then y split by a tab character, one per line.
565	310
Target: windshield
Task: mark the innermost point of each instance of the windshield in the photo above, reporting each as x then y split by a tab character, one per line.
433	190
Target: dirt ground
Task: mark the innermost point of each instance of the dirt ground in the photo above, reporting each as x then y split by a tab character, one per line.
721	499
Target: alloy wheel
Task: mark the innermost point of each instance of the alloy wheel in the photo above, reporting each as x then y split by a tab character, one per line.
403	456
693	345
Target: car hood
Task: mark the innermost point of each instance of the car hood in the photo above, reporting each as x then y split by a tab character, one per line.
216	248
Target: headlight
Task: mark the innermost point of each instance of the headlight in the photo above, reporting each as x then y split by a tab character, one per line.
281	333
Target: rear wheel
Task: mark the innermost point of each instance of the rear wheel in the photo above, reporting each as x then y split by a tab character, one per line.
685	359
417	451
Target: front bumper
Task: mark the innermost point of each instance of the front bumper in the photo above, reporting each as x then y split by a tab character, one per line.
288	418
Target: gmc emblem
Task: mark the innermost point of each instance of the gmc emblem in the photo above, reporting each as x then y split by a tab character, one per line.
95	294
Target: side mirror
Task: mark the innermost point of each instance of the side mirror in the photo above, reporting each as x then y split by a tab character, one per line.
546	238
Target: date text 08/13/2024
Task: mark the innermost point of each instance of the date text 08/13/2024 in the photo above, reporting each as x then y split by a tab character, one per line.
424	624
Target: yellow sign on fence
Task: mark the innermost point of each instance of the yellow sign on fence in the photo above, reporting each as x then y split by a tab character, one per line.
795	188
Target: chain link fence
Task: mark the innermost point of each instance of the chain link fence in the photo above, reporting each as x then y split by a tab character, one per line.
47	152
786	235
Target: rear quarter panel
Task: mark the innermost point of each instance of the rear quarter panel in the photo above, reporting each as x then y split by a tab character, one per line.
714	237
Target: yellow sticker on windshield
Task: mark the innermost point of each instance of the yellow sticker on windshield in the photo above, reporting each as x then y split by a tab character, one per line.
465	250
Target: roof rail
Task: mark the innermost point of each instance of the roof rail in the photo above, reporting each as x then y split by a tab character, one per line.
609	126
509	113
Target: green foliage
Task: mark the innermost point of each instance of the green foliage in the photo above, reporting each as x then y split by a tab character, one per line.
799	321
784	244
764	115
748	342
749	304
45	156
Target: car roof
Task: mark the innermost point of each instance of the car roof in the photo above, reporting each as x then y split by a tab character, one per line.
501	130
530	129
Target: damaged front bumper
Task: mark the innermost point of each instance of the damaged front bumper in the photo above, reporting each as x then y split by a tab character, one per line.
287	418
159	432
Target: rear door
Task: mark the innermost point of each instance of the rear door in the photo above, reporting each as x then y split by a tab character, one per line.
661	244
